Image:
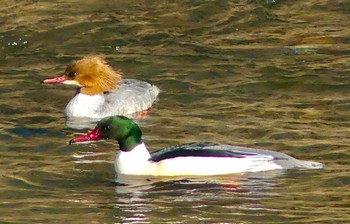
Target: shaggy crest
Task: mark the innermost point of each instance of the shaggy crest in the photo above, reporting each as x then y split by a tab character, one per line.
93	74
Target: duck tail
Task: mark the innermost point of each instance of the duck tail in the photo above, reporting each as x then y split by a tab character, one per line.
310	165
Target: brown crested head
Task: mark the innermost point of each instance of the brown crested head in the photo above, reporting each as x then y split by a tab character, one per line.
93	74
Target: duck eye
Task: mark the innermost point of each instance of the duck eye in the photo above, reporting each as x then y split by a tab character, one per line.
107	128
73	75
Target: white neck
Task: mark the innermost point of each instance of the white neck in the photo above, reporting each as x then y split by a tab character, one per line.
133	162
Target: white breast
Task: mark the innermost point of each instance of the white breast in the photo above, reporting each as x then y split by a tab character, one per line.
134	162
85	106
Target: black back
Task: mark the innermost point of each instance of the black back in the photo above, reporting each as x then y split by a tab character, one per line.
199	149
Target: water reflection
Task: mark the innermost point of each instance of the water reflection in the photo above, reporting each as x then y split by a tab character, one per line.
166	199
81	123
269	74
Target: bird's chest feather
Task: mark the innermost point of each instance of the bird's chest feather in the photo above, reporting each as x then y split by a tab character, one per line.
85	106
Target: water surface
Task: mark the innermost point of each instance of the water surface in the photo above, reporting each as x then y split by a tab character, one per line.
267	74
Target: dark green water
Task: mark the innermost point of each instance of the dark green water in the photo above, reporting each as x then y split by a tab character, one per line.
267	74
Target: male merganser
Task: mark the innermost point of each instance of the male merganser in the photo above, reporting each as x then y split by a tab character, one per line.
202	158
102	92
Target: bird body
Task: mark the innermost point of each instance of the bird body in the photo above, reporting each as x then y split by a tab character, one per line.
102	92
200	158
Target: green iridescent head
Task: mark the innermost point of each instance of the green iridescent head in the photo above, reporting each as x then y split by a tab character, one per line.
122	129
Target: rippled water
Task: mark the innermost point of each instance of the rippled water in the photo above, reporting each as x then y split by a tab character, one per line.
268	74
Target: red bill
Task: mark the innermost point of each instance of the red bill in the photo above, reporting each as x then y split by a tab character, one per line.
58	79
91	136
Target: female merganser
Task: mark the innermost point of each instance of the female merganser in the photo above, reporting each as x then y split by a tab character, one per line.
201	158
102	92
